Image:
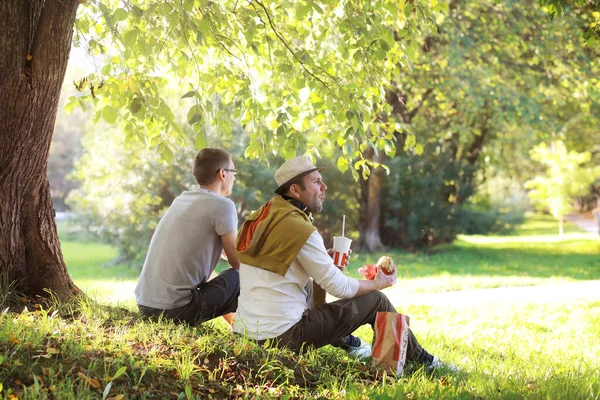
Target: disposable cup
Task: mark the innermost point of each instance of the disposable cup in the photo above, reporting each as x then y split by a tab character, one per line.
341	248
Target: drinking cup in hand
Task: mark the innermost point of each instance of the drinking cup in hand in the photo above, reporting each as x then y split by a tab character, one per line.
341	248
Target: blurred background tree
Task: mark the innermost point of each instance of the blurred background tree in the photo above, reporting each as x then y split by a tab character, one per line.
568	174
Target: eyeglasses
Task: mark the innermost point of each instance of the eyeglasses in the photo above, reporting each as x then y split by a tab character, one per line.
235	171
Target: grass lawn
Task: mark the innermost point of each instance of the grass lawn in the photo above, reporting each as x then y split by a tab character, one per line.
513	350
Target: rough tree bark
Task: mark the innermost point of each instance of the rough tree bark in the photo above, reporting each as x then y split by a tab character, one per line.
35	42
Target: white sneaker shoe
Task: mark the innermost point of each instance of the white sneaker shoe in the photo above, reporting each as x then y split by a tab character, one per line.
362	351
437	364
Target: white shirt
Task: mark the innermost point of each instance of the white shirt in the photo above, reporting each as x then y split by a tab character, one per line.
270	304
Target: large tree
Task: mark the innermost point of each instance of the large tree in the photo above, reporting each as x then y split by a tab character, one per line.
35	44
290	71
496	79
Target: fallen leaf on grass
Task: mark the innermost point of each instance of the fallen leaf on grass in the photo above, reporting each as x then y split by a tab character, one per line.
117	397
52	350
12	339
91	381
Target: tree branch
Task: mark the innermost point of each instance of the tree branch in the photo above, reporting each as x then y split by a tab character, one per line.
416	109
284	42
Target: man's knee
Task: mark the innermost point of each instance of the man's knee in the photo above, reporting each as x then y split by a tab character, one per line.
231	276
380	301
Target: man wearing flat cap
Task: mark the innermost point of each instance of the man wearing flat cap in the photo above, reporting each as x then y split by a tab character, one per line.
280	251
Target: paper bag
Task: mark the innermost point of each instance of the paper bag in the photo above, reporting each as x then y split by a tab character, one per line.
391	341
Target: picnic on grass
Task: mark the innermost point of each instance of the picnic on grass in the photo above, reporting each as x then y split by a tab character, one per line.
280	271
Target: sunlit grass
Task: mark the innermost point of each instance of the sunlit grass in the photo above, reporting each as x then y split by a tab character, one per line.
505	350
91	267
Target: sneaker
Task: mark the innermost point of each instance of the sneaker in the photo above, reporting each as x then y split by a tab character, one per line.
363	350
437	364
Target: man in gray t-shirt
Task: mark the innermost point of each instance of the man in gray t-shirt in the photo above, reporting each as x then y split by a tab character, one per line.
188	242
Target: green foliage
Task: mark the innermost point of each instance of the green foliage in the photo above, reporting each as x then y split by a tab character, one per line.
556	8
477	106
193	74
125	188
428	201
567	174
423	199
289	72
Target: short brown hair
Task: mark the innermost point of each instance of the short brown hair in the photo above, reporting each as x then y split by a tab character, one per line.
208	162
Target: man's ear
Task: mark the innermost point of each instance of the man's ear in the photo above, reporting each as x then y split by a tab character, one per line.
294	190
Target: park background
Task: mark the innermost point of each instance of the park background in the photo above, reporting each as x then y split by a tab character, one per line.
493	142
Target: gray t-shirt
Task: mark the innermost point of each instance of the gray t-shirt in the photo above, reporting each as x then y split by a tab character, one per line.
185	248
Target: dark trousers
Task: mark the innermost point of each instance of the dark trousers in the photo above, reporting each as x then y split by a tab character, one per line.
330	323
211	299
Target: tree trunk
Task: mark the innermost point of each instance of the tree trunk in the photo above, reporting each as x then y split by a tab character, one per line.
35	45
560	226
370	207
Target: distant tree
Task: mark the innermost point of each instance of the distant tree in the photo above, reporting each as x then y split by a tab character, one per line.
568	174
481	92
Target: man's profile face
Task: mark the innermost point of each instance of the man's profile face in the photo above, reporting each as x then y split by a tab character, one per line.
229	178
314	194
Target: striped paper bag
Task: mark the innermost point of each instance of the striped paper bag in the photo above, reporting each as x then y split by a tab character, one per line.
391	341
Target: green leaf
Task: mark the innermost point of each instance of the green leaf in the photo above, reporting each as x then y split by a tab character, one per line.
70	106
191	93
166	153
366	172
342	163
119	372
135	105
119	15
201	142
390	149
253	150
419	149
302	10
194	115
188	5
195	119
316	7
109	114
129	37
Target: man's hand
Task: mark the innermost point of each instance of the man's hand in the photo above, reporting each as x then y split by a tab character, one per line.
383	280
330	252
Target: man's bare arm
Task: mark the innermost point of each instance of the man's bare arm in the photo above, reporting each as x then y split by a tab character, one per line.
228	241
